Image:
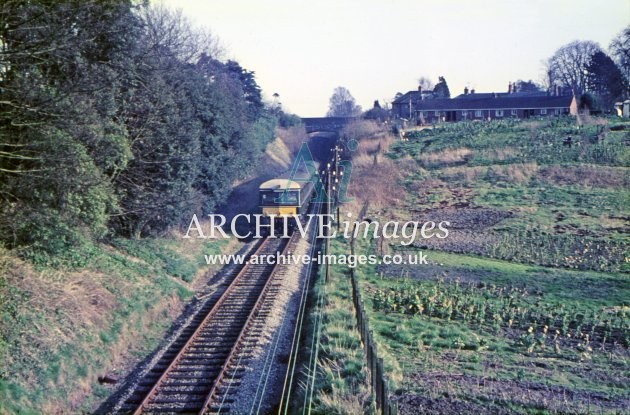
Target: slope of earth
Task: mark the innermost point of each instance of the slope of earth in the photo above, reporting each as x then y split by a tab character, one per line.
69	332
523	308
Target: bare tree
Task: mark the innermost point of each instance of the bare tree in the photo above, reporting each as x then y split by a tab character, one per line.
426	83
568	65
170	32
620	51
343	104
528	86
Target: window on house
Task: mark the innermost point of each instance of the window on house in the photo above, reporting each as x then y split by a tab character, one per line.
556	112
498	113
513	112
464	113
478	113
543	111
437	113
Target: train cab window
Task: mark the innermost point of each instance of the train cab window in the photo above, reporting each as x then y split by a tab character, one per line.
275	198
286	198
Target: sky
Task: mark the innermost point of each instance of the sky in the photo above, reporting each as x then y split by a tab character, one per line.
302	50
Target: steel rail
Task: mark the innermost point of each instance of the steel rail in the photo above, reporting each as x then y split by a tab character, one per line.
250	320
197	331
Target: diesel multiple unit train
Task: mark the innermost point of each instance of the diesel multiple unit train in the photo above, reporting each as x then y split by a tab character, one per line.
289	194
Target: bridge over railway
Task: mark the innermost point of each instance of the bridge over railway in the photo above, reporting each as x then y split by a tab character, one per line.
326	124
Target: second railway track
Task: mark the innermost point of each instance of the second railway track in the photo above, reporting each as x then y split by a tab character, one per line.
200	375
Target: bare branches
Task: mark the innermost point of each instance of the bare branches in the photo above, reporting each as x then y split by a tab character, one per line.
171	32
620	50
342	104
568	65
425	83
117	115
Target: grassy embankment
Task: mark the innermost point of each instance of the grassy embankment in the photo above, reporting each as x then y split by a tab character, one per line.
62	328
341	383
544	329
100	309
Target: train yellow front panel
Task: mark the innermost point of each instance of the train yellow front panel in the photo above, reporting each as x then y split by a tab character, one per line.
280	210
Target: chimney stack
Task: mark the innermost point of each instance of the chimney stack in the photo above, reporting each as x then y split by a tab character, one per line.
510	88
420	88
472	91
465	90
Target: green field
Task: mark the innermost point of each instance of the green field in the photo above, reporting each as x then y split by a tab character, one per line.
485	335
532	197
525	307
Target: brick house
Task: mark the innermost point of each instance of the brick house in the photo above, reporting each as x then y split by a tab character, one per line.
482	106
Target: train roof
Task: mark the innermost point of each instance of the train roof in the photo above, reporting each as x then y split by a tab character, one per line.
280	184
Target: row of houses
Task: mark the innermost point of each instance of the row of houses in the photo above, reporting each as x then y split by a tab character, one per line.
426	109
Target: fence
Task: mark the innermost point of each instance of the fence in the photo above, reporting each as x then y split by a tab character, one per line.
378	380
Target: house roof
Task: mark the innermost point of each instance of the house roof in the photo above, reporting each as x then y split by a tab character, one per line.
500	102
502	95
413	96
416	96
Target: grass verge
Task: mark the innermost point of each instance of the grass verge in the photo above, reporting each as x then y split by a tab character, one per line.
62	328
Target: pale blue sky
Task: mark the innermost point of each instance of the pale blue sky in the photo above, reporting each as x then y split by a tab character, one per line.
304	49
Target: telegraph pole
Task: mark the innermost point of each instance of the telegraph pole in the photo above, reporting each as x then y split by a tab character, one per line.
327	241
337	175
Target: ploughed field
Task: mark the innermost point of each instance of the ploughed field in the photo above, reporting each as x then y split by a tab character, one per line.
525	306
485	336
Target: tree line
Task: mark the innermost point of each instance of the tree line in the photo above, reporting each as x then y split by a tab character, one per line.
116	118
598	79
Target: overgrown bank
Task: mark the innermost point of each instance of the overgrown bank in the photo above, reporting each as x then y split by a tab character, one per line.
118	120
62	329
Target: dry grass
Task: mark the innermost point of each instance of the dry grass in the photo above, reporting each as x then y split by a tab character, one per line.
360	130
421	186
463	174
279	153
84	301
519	173
339	402
375	144
369	147
363	161
371	150
514	173
499	154
375	178
533	125
293	138
586	175
446	157
64	307
608	222
378	184
584	118
65	316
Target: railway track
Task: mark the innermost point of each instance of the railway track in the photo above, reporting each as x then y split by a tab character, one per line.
208	365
